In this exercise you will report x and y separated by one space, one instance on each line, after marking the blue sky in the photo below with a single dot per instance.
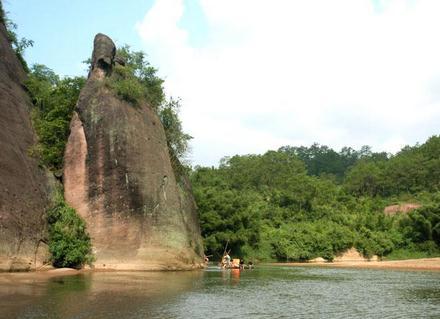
63 30
255 75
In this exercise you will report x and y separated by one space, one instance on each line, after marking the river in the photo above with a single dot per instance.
265 292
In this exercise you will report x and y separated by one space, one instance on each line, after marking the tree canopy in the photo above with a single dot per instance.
299 203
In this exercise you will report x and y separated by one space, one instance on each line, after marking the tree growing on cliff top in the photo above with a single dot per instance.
137 81
141 69
54 101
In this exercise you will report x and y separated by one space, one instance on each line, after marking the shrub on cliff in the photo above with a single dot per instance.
55 100
177 139
69 242
138 81
19 45
141 69
126 85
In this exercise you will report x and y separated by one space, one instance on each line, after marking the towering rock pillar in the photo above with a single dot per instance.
23 185
118 176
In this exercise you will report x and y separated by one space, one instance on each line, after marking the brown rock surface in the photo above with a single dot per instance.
402 208
352 255
23 185
119 178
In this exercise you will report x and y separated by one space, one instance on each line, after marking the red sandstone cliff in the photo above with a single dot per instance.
119 178
23 185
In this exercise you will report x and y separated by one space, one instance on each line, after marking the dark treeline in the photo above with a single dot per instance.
321 159
299 203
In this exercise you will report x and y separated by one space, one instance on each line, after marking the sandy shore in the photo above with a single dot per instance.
43 274
36 276
432 264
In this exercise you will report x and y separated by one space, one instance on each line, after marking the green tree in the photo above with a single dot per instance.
137 80
302 216
69 242
365 178
177 139
55 100
19 45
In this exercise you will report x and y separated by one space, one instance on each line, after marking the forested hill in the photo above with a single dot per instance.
299 203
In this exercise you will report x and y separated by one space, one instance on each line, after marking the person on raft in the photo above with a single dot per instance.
226 262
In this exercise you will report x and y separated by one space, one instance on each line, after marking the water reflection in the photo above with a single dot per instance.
266 292
96 295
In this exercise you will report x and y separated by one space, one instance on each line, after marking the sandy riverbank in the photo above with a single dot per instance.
43 274
432 264
8 278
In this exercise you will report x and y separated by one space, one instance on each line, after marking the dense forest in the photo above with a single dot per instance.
299 203
296 203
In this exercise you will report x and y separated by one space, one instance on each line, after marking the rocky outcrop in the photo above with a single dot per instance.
23 185
402 208
119 178
353 254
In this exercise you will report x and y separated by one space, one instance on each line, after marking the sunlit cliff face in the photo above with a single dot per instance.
119 178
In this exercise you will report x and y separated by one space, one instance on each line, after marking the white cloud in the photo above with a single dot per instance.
295 72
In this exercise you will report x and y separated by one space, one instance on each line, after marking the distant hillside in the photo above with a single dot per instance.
300 203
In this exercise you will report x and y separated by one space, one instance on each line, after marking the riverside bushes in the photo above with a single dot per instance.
69 242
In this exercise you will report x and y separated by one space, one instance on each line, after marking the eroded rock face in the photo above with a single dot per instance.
402 208
23 185
103 53
119 178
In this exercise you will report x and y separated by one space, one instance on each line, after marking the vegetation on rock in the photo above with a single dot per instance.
54 99
177 139
69 242
137 81
18 44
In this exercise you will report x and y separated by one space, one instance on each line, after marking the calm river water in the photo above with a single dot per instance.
265 292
